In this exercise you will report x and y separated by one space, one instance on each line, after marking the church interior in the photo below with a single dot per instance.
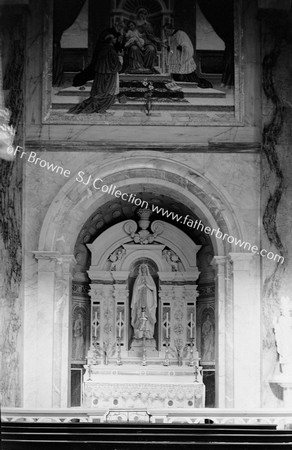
145 232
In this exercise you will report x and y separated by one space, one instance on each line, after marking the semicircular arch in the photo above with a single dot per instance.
75 202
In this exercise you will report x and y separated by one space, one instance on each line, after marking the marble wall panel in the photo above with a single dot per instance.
276 192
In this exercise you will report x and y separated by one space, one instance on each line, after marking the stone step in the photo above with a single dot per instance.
142 77
189 91
163 106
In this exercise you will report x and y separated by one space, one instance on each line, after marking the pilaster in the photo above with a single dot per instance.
246 336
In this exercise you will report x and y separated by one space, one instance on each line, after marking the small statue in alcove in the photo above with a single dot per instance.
78 338
144 296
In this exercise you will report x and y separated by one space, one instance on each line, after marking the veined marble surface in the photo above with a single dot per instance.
224 179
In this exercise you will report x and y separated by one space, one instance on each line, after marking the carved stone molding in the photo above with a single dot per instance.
241 261
48 259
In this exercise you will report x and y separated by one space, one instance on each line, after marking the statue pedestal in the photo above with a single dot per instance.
133 386
136 349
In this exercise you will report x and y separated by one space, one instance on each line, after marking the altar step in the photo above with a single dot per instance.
79 436
190 90
192 105
196 103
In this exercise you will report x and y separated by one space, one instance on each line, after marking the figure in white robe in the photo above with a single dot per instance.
180 51
144 300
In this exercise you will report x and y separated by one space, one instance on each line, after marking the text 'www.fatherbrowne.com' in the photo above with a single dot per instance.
185 220
198 225
89 181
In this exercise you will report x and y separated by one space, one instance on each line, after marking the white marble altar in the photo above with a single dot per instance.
143 319
134 386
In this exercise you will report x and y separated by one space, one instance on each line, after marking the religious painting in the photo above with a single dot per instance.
133 62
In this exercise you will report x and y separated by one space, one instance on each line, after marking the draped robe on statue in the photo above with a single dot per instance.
106 82
144 296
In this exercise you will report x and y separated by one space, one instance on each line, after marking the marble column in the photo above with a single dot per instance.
246 332
51 372
224 358
45 328
62 330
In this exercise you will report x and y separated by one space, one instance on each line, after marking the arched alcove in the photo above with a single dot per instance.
111 258
78 204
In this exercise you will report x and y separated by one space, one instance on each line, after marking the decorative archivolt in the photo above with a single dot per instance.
132 6
116 249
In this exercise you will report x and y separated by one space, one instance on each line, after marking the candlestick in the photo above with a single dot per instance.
166 360
192 362
144 354
95 324
166 325
119 360
191 325
144 319
120 326
196 373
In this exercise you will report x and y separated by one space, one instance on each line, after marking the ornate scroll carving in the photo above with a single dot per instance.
143 236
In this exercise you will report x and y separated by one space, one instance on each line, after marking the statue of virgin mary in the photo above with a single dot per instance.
144 304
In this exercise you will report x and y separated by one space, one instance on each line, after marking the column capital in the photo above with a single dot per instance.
241 261
47 255
46 260
219 264
191 292
219 260
67 262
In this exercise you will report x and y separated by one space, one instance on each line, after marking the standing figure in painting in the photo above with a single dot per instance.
144 299
78 335
117 30
144 57
106 80
181 61
207 340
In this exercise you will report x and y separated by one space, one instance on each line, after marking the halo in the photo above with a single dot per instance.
109 36
142 10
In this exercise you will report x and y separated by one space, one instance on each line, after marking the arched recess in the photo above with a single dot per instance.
171 237
76 202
